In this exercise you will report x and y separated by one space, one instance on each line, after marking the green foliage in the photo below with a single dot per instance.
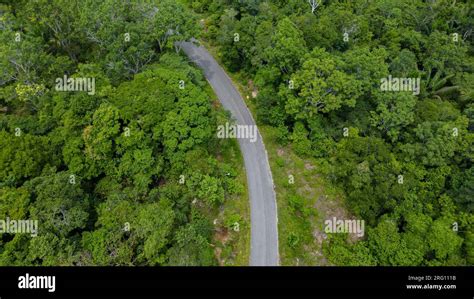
210 190
321 87
191 249
288 46
23 156
301 143
403 159
60 207
99 172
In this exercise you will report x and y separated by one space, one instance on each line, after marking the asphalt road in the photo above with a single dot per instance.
263 210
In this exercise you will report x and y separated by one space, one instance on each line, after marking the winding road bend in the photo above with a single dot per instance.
263 210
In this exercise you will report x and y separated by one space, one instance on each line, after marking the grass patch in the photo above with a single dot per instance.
231 241
232 229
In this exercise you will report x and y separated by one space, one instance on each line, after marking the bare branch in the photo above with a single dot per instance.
314 4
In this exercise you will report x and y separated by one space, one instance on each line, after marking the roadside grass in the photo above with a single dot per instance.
305 199
233 241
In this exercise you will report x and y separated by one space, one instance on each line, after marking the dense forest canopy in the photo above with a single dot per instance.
126 174
404 159
107 134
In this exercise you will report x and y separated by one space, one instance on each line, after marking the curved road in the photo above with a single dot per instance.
263 211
